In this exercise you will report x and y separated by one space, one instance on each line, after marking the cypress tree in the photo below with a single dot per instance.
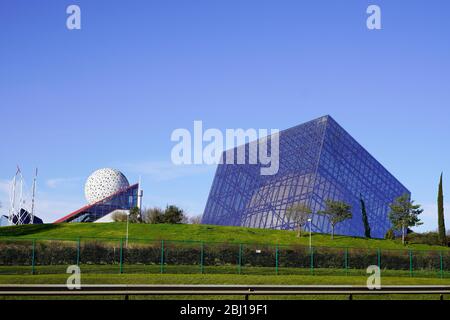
364 218
441 223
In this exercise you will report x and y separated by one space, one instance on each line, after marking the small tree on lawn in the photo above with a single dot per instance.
441 223
153 215
364 217
336 211
196 219
135 216
404 213
174 215
299 214
119 216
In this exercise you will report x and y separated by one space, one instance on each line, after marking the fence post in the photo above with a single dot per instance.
311 267
121 256
346 261
240 258
33 251
441 264
276 259
201 257
410 263
162 256
379 258
78 251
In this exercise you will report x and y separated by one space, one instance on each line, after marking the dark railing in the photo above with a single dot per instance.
217 290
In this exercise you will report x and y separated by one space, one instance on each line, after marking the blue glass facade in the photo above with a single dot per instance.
123 200
318 160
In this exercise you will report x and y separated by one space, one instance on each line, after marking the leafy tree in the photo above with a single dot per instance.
135 215
299 214
336 211
153 215
404 213
174 215
364 218
389 235
196 219
441 223
119 217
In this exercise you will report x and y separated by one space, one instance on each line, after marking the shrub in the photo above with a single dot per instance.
19 253
431 238
390 235
119 217
196 219
172 214
152 216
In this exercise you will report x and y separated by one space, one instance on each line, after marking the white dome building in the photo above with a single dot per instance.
103 183
110 184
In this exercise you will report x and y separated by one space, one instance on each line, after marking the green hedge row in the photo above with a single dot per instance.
66 253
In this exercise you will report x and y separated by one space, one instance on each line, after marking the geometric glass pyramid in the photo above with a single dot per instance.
318 160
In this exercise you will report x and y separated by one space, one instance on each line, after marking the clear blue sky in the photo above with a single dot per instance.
110 94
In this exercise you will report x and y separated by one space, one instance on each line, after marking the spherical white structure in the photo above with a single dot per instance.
104 183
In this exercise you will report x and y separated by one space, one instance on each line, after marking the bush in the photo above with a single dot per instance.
431 238
135 215
390 235
196 219
19 253
172 214
119 217
15 253
152 216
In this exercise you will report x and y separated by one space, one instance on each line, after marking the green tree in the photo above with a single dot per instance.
173 214
441 223
119 216
299 214
195 219
389 235
336 211
364 217
135 215
153 215
404 213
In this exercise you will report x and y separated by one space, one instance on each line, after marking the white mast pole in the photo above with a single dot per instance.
139 199
21 201
12 200
32 198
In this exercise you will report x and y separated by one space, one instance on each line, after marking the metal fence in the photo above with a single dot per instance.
99 255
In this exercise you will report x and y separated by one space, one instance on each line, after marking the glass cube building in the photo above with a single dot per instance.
318 160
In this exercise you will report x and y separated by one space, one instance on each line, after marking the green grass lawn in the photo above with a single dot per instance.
221 274
228 279
187 232
153 269
140 278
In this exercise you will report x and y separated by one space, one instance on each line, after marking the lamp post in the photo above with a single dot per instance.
126 238
310 238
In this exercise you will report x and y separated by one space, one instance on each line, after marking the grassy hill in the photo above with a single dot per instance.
187 232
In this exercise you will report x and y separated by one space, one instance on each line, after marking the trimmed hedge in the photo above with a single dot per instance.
19 253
